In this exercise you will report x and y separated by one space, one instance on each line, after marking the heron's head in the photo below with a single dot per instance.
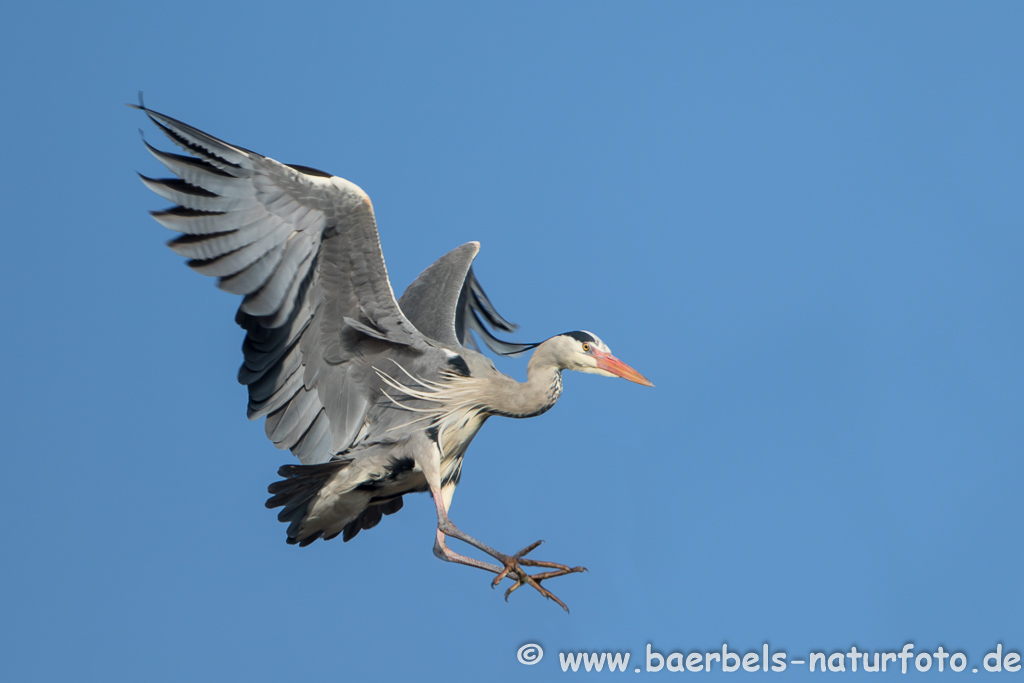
584 352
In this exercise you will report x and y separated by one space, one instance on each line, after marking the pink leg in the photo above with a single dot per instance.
511 563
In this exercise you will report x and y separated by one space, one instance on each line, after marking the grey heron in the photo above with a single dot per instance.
376 397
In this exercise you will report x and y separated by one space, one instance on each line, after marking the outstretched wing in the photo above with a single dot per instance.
446 301
301 247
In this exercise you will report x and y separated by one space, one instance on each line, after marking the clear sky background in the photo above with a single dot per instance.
803 221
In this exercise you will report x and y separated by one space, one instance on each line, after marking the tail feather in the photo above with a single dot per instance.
297 492
367 519
300 485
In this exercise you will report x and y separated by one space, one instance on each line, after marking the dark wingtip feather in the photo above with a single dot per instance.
499 346
485 307
178 185
309 170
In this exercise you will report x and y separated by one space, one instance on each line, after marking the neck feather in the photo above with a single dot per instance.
536 395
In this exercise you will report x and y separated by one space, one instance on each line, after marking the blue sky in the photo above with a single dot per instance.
802 221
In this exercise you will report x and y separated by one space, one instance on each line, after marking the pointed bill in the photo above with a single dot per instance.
610 363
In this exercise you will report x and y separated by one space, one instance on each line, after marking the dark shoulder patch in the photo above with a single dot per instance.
399 466
309 170
432 433
581 336
459 365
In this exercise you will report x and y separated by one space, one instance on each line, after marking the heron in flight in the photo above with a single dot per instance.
377 398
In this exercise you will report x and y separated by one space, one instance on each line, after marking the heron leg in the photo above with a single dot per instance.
445 553
512 564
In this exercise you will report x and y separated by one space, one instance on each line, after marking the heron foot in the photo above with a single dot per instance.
514 571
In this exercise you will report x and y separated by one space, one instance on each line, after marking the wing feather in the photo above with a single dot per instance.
192 197
288 424
446 301
203 174
200 222
301 247
271 296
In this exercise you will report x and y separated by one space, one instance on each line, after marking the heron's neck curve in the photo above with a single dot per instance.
536 395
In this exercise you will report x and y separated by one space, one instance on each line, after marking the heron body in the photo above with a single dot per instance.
376 397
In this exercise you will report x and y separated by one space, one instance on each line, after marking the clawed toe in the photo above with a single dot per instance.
514 570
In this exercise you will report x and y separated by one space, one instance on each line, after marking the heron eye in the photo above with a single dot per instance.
586 347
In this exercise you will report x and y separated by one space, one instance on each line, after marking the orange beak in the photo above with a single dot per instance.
610 363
